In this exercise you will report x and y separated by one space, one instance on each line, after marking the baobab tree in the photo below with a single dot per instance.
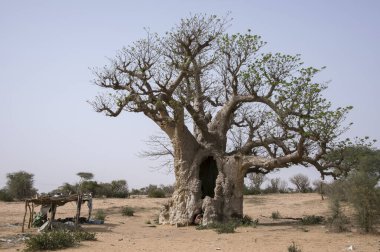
227 109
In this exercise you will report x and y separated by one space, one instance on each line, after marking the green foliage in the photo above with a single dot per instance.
38 220
276 215
57 240
100 215
154 191
294 248
338 220
5 195
127 211
360 187
20 185
312 220
84 236
226 228
220 227
231 225
115 189
85 175
51 241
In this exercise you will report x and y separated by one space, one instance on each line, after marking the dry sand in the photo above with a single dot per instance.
121 233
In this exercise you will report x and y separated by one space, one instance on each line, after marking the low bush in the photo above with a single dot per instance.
84 236
276 215
100 215
231 225
59 239
294 248
312 220
127 211
219 227
338 221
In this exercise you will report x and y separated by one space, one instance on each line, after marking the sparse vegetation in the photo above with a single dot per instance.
219 227
294 248
231 225
100 215
57 240
84 235
276 215
359 188
338 221
312 220
127 211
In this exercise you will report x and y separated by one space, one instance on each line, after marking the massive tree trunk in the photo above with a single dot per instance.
206 183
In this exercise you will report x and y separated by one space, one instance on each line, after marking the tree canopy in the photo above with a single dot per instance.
267 108
20 185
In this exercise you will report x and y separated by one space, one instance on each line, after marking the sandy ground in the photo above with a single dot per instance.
121 233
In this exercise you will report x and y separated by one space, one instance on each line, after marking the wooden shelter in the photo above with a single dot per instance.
53 202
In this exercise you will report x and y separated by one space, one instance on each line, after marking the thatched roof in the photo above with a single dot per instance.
58 200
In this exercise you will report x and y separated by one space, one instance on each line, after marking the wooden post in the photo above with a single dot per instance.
52 215
23 222
79 203
32 212
30 215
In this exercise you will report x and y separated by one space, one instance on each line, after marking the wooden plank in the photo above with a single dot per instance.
23 222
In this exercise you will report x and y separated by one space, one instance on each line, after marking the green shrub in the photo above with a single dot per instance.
246 221
5 195
156 193
225 228
84 236
230 226
100 215
294 248
59 239
127 211
312 220
219 227
276 215
51 241
338 221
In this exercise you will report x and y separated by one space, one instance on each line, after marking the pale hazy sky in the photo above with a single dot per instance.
47 48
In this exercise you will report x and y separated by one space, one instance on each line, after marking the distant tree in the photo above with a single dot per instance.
276 185
90 187
67 189
168 189
5 195
255 182
320 187
153 191
301 182
85 175
119 188
20 185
